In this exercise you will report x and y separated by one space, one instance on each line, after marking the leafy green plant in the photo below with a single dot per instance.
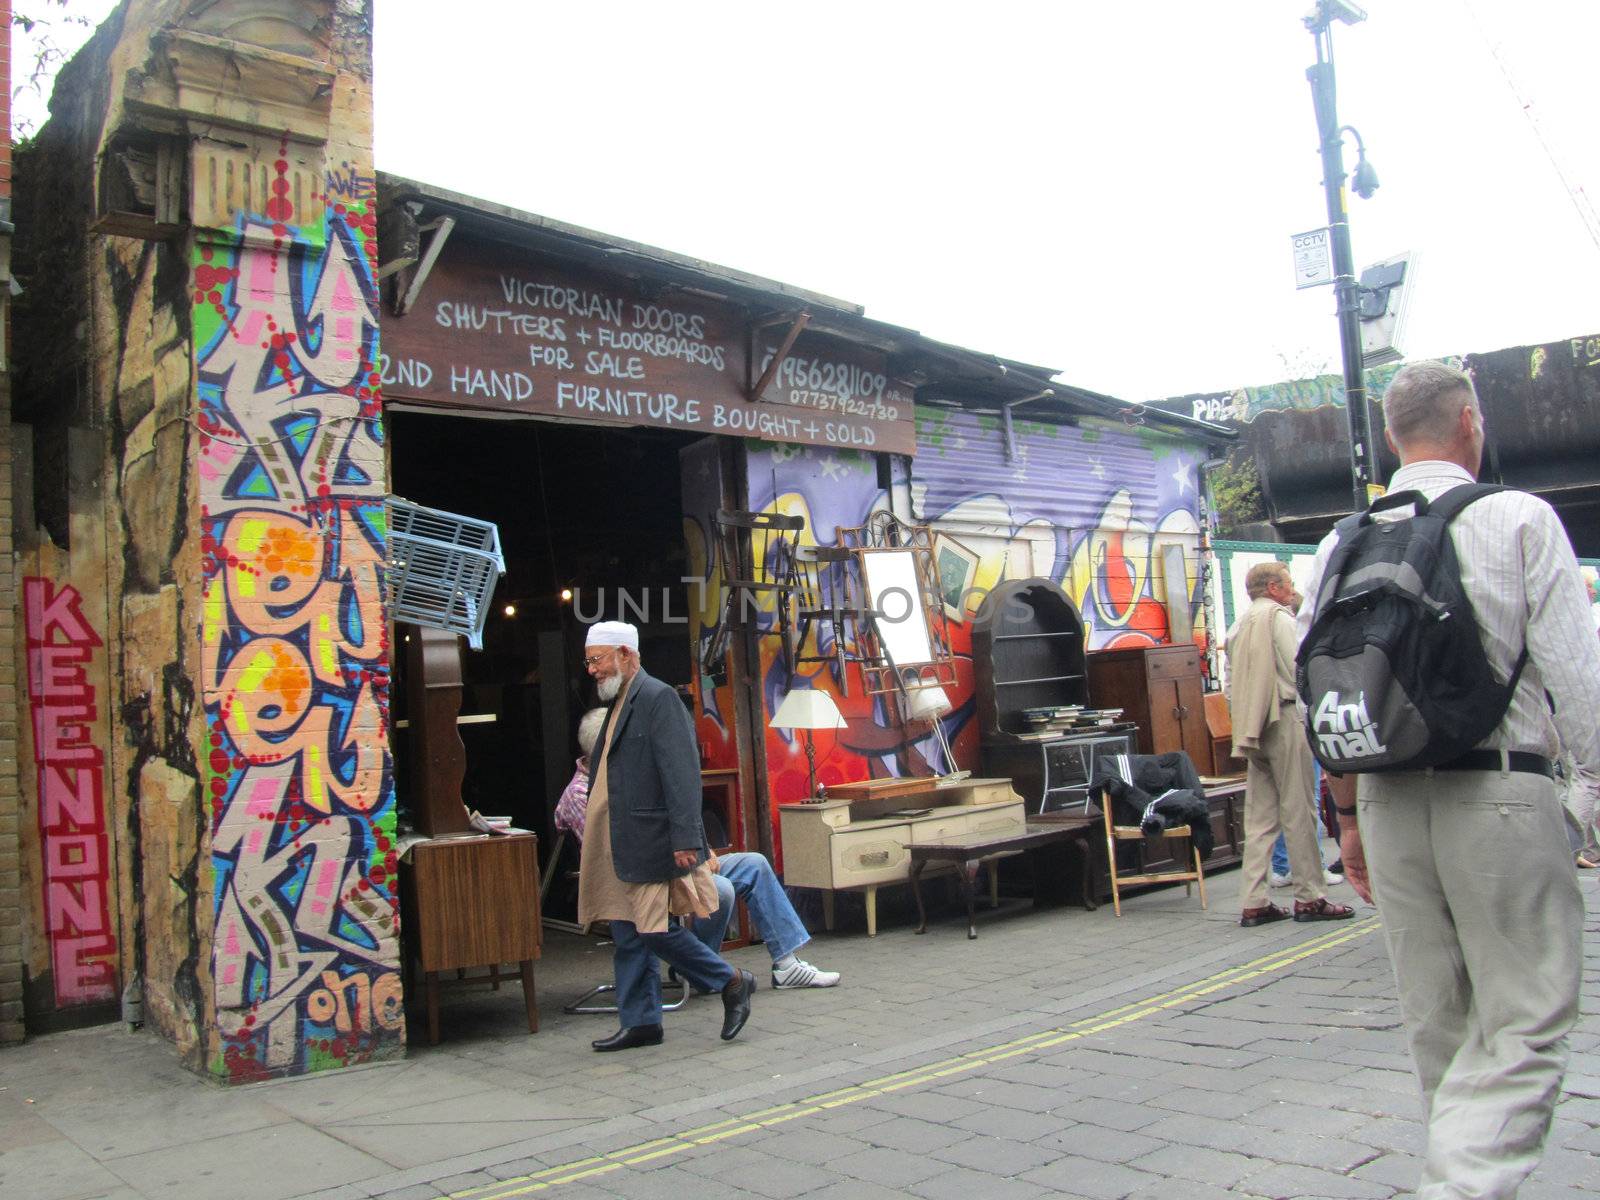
1236 493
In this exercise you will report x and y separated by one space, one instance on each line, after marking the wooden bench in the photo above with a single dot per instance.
967 852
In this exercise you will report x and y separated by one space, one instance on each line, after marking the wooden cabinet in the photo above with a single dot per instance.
1053 775
1159 689
472 901
1027 652
1219 723
846 845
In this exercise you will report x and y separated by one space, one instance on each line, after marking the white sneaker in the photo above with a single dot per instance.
1277 880
1332 877
801 974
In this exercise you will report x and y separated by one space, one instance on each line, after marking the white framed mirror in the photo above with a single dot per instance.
894 591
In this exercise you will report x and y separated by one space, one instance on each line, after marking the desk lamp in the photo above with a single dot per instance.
808 709
929 704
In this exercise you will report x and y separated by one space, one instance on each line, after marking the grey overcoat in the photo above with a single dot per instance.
653 782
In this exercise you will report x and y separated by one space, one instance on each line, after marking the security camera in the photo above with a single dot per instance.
1328 11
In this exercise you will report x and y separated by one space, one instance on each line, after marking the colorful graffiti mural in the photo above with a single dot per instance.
1243 405
829 489
702 498
1113 575
294 643
61 644
1090 506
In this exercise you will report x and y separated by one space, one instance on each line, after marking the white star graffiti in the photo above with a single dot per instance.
1182 477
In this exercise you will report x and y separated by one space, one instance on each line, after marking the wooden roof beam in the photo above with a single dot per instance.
797 322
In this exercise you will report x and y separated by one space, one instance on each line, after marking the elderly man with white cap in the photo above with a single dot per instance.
644 846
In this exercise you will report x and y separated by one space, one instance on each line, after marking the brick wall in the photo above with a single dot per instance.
208 500
5 98
11 909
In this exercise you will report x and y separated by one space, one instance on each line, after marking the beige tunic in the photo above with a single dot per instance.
604 897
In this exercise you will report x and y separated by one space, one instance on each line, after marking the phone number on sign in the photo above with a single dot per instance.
825 402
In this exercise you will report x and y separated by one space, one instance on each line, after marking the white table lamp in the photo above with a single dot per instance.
929 704
808 709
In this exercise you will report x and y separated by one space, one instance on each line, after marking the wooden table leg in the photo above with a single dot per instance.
916 891
529 997
969 879
494 977
872 912
1083 856
827 909
432 978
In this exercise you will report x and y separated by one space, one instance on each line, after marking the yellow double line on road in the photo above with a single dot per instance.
1033 1043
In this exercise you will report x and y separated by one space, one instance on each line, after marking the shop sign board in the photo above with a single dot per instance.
492 332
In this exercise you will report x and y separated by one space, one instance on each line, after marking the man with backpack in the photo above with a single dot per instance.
1447 657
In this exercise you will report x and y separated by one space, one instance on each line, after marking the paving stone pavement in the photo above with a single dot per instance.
1063 1053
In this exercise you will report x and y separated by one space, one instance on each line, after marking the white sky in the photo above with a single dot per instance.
1106 188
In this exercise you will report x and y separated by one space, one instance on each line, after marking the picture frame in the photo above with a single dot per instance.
955 567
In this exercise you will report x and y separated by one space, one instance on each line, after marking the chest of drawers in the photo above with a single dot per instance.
844 845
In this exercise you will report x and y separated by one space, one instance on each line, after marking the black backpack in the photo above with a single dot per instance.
1392 670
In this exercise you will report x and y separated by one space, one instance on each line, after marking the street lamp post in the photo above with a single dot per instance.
1347 287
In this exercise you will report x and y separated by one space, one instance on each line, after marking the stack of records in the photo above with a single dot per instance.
1091 717
1051 718
1065 718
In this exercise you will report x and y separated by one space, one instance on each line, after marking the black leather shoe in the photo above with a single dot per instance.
736 1004
633 1035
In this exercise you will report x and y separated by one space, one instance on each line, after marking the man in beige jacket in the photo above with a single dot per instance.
1268 735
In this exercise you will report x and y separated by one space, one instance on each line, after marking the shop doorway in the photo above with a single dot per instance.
591 526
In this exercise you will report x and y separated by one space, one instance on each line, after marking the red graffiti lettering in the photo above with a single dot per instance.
50 611
61 643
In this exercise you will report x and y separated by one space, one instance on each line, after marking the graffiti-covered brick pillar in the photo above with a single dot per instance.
294 655
231 270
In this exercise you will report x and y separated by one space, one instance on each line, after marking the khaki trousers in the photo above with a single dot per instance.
1474 881
1277 796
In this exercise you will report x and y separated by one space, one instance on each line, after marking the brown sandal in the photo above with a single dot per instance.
1322 910
1261 916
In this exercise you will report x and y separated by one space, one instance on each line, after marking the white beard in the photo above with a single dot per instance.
608 688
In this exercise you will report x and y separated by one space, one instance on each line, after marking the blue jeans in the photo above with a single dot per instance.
750 878
639 973
1280 849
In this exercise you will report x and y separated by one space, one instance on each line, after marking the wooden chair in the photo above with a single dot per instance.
1219 728
1127 833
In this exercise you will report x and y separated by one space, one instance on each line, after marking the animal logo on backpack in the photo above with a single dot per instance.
1393 671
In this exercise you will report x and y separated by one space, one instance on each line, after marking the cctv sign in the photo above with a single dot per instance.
1313 258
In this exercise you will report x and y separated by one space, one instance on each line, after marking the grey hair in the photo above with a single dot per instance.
1259 577
589 729
1424 401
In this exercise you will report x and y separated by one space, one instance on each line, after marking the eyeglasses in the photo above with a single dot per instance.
594 660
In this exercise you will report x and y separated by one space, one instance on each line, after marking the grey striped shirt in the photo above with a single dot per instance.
1519 571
